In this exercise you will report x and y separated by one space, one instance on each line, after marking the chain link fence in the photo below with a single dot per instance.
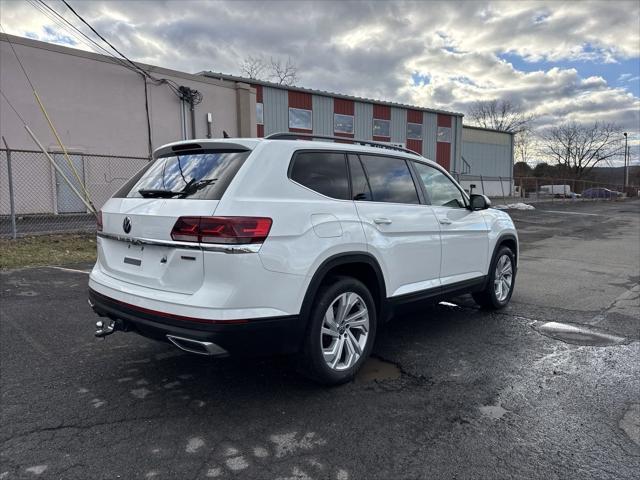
545 189
35 199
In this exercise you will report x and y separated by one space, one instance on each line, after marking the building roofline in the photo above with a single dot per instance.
484 129
76 52
325 93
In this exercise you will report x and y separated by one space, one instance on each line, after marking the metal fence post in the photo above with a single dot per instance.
504 199
12 206
482 185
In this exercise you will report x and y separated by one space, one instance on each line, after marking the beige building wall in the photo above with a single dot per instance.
98 107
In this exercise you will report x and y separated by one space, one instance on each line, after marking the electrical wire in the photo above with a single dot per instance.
12 107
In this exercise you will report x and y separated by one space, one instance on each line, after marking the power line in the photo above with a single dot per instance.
18 58
12 107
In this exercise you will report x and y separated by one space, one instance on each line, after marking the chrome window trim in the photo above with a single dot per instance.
248 248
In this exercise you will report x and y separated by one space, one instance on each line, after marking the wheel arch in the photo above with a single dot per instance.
509 240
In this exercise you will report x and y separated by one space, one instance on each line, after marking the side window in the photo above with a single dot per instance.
390 179
440 189
323 172
359 184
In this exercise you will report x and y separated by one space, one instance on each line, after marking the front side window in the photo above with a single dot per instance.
323 172
414 131
440 189
259 113
342 123
198 175
381 128
300 118
390 179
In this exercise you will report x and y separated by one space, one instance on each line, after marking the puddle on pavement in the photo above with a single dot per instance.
578 334
378 370
495 412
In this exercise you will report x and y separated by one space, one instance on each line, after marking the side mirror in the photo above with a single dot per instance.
479 202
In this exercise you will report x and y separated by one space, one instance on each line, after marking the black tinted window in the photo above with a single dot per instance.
201 174
359 184
390 179
323 172
440 189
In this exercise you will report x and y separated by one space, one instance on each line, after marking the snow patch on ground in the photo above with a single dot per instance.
515 206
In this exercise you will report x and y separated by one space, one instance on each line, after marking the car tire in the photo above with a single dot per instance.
350 341
500 281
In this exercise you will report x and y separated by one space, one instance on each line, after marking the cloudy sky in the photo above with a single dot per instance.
558 60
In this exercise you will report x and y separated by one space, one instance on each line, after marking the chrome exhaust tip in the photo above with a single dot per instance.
105 328
198 347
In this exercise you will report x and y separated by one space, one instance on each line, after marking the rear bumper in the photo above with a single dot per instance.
254 336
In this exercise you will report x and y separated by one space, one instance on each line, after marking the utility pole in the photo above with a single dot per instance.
626 161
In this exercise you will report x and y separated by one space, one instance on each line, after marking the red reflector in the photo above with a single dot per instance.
99 221
228 230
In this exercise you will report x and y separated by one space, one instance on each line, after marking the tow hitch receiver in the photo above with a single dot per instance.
105 328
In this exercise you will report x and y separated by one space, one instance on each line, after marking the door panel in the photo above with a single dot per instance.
67 200
465 243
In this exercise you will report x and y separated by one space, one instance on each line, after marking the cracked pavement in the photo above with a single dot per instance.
452 391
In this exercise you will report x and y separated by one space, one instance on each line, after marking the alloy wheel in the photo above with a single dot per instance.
503 278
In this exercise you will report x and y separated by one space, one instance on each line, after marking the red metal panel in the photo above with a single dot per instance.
415 145
444 120
258 93
343 107
378 138
383 112
443 153
299 100
414 116
260 130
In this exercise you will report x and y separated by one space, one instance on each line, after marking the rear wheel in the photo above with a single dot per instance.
341 332
501 281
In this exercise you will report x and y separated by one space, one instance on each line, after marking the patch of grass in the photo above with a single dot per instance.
63 249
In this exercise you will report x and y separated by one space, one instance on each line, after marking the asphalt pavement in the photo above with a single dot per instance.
548 388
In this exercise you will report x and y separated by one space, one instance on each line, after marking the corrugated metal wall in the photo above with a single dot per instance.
488 153
276 110
429 135
363 121
322 115
457 160
398 125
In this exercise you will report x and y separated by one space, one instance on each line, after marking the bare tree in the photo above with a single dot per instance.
500 115
253 67
283 74
578 148
525 145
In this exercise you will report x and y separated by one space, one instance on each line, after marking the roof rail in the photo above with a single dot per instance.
355 141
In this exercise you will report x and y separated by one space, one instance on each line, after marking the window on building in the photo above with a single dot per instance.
414 131
300 118
381 128
323 172
342 123
360 189
259 114
441 191
390 179
444 134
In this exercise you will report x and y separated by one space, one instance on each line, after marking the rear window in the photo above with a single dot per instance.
323 172
198 175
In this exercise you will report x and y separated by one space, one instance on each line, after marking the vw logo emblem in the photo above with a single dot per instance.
126 224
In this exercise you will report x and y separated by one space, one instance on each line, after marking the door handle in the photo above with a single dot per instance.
445 221
382 221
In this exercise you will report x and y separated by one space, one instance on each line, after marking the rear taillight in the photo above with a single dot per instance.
99 221
228 230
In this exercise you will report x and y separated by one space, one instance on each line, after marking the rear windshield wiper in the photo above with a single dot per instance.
190 188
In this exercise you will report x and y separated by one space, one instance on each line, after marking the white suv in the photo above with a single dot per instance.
287 245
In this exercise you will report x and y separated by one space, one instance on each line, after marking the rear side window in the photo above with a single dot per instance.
323 172
200 175
390 179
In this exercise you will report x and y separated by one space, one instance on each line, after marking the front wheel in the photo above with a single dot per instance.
502 275
341 332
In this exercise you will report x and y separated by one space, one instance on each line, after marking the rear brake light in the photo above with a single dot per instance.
227 230
99 221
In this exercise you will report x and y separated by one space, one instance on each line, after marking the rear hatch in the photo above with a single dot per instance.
135 243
